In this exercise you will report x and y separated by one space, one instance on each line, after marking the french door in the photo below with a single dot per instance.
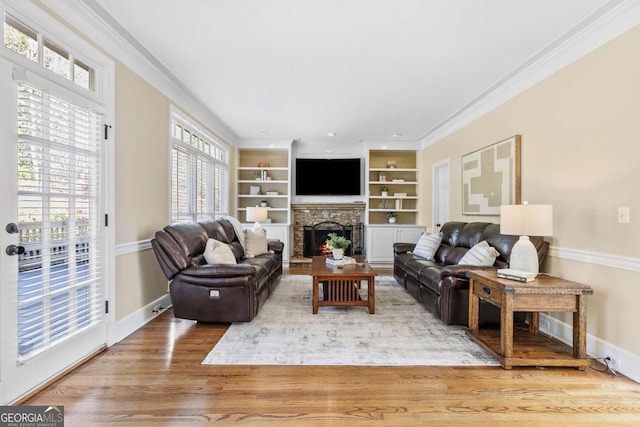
52 237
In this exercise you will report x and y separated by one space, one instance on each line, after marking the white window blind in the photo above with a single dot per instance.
61 274
199 174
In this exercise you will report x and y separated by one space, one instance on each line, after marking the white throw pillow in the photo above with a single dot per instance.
255 243
481 254
217 252
427 246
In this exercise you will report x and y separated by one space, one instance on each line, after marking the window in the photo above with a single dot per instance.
199 173
61 272
28 43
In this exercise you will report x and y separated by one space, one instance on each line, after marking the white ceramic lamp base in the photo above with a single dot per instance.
524 256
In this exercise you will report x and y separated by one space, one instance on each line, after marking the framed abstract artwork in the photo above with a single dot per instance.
491 177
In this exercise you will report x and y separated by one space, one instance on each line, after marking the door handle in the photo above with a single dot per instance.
15 250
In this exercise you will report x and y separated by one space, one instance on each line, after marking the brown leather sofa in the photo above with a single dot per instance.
442 286
215 292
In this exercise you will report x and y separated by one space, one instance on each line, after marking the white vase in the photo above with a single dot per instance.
392 220
338 253
384 194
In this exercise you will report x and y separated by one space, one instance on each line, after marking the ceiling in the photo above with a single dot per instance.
362 69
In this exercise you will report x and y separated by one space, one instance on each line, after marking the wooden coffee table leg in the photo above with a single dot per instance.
315 295
371 294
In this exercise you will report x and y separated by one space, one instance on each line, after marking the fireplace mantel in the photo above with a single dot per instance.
323 206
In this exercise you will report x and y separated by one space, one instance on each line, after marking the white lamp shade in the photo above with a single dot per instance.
526 220
257 214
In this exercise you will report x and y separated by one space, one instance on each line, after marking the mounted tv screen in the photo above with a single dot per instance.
328 177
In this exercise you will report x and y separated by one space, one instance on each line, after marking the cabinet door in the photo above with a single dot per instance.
380 244
279 233
410 235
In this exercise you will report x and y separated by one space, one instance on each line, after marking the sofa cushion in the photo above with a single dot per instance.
481 254
471 234
255 243
427 245
451 232
217 252
449 255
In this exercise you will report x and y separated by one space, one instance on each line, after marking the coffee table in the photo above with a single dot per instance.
341 284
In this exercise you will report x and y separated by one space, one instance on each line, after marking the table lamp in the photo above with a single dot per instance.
526 220
255 215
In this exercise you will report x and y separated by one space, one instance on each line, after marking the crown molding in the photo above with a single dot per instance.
88 17
608 22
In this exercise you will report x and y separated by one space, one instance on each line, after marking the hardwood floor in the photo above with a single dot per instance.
154 377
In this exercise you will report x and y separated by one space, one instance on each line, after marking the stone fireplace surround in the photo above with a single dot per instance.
313 213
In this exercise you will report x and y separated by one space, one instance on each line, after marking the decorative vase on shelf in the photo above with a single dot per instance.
338 253
392 220
384 194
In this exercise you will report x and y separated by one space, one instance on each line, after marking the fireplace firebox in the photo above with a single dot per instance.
316 235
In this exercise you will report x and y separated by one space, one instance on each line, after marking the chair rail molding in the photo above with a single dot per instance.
588 257
132 247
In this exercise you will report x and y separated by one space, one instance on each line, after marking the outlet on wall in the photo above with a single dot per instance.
624 215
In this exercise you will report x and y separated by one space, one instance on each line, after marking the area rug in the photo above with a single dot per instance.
400 333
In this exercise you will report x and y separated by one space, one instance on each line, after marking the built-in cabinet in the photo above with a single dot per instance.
263 179
380 240
392 186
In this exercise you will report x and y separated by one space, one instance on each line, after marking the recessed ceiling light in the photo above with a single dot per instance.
331 134
264 133
395 135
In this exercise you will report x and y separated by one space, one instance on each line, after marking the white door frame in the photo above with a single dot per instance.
440 197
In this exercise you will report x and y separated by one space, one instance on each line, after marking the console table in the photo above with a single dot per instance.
522 346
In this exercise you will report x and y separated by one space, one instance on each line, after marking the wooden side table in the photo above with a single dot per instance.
546 294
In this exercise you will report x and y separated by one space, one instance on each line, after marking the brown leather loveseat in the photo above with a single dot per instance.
442 285
215 292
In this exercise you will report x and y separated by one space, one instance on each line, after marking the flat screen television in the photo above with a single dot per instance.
328 177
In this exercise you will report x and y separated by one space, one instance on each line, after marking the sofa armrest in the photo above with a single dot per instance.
219 271
461 271
403 248
275 245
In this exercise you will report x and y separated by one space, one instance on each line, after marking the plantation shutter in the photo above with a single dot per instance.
61 273
199 174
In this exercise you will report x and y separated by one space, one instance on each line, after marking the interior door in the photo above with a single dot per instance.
52 282
441 194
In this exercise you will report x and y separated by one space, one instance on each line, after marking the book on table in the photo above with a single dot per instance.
343 261
519 275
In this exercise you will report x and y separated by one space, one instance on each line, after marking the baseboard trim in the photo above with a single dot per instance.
622 361
136 320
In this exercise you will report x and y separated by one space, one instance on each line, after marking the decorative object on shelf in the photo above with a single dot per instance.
271 193
257 175
391 217
397 180
384 191
399 194
255 215
254 190
263 203
382 177
391 164
338 244
482 194
526 220
264 165
398 204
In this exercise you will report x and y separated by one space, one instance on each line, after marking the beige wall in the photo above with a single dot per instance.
580 150
141 191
